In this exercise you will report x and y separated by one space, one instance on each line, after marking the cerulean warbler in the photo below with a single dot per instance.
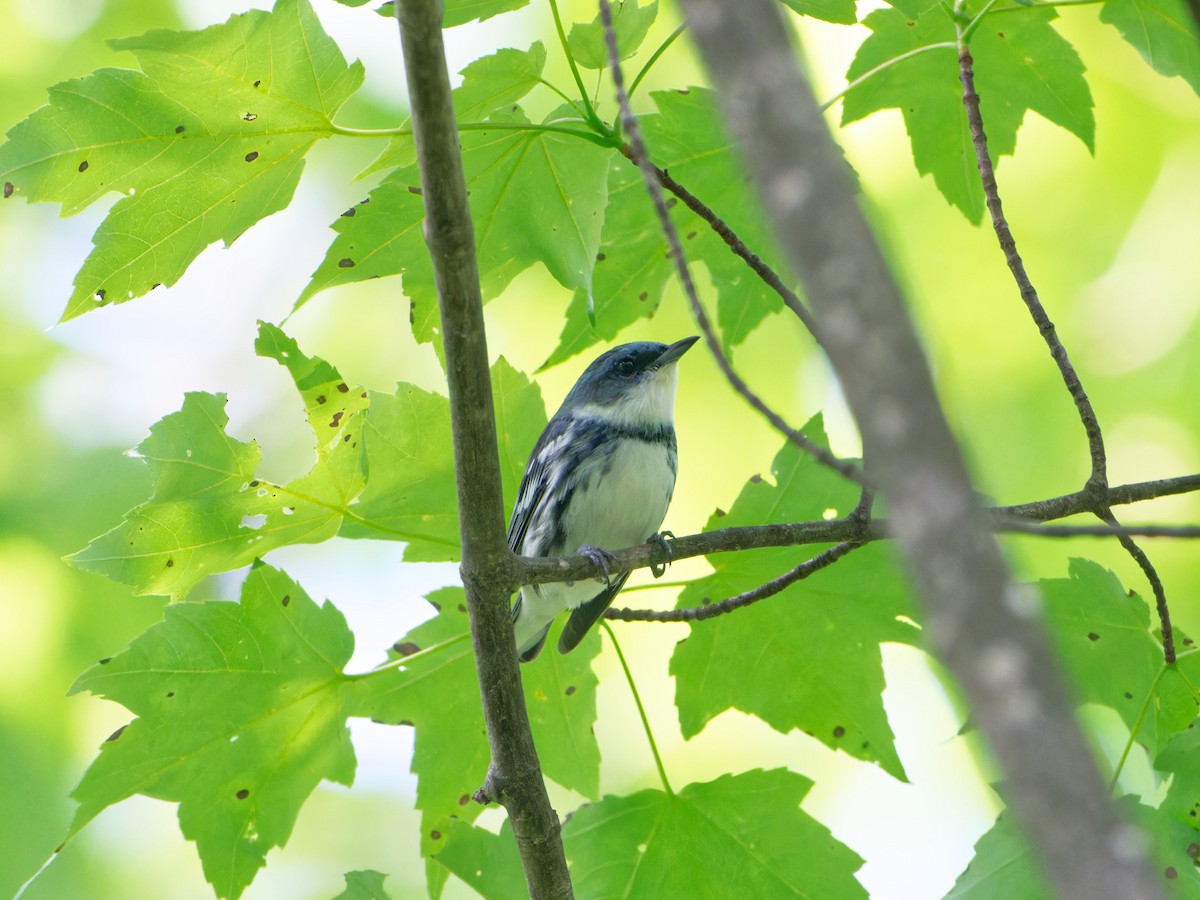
599 478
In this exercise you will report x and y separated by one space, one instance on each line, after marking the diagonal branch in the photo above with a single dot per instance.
514 778
1098 481
996 653
637 153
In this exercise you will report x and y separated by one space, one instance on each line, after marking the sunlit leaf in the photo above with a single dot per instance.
631 23
209 512
841 12
1163 31
206 140
241 711
364 885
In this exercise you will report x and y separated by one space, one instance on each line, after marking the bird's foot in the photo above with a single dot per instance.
662 539
600 558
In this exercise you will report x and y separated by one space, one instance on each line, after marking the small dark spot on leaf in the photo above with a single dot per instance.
755 479
839 731
344 388
1170 874
337 417
364 201
671 202
179 129
1128 696
643 295
106 661
691 235
911 24
464 799
345 263
349 213
1193 850
170 694
83 166
100 295
413 189
287 598
683 91
435 835
1187 642
720 513
257 83
242 794
320 398
252 156
999 34
1092 636
8 189
346 439
570 689
249 117
363 395
254 483
170 563
407 648
600 257
462 607
116 734
407 722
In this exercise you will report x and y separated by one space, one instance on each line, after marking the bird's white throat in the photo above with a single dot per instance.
650 404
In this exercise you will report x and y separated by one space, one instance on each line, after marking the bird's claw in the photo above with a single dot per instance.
662 539
600 559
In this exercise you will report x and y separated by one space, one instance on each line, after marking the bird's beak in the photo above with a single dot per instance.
673 352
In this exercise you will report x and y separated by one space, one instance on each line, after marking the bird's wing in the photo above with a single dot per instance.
585 616
536 482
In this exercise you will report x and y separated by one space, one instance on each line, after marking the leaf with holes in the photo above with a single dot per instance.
241 711
206 140
411 495
1103 636
746 830
817 665
208 512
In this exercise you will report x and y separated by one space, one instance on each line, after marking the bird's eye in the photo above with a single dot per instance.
626 367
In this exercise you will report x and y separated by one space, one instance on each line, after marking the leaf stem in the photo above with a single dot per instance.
662 772
883 66
662 48
590 114
1137 726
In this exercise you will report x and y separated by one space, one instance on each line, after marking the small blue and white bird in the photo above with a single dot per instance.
599 479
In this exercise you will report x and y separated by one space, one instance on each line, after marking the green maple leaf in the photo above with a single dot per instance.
206 140
631 23
536 196
366 884
745 830
1162 31
686 137
1181 760
1021 64
440 696
209 512
488 862
241 711
411 494
456 12
815 646
1104 638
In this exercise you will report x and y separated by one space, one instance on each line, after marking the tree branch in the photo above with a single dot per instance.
514 778
997 654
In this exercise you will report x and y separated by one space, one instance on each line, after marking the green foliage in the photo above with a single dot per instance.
1021 64
241 708
740 829
206 140
818 665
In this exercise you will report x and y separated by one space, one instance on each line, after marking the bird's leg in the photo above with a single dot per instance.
662 539
600 559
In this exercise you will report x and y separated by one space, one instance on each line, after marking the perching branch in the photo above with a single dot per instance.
1098 481
999 656
514 778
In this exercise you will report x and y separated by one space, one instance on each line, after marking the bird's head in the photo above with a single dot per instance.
631 385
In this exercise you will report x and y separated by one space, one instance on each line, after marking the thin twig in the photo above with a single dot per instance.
1098 481
1111 530
637 154
712 610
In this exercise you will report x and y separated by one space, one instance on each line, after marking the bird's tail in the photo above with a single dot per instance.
531 634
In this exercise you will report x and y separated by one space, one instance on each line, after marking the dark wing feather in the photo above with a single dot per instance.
532 490
585 616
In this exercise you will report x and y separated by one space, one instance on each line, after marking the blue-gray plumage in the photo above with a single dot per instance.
599 479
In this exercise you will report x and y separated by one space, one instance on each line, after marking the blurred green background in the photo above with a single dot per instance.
1109 240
